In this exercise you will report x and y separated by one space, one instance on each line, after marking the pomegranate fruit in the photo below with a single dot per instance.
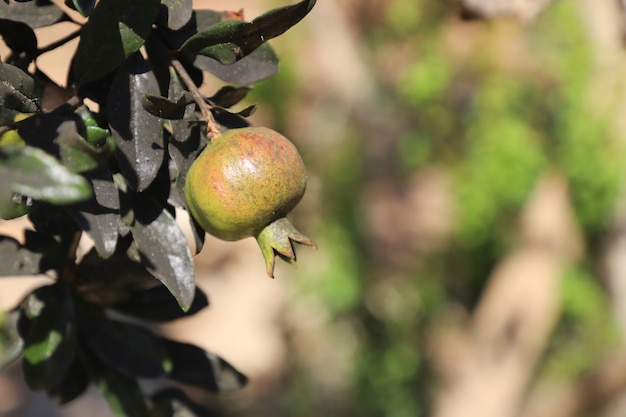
243 184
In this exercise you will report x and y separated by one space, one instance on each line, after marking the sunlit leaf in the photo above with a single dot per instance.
138 134
164 249
31 172
230 40
17 93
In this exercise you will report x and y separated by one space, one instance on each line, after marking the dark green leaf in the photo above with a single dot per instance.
18 36
162 107
17 93
137 134
84 7
175 13
11 344
231 40
132 350
31 172
229 95
73 384
197 367
99 216
172 402
34 13
121 392
164 249
64 134
200 19
50 342
157 304
115 31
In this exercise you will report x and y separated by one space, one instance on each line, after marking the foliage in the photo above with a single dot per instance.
115 172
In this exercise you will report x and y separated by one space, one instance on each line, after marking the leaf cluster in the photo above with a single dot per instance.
115 172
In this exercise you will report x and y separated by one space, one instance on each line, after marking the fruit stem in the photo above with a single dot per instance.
211 129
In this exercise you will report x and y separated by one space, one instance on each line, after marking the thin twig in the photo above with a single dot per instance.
212 130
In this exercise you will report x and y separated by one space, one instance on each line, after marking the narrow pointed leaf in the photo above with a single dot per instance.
167 109
229 95
137 134
231 40
115 31
164 250
247 112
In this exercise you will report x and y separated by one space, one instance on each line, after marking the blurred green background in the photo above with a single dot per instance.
425 136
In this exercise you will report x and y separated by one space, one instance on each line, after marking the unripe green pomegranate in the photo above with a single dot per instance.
243 184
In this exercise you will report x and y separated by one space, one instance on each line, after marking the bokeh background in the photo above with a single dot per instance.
467 193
